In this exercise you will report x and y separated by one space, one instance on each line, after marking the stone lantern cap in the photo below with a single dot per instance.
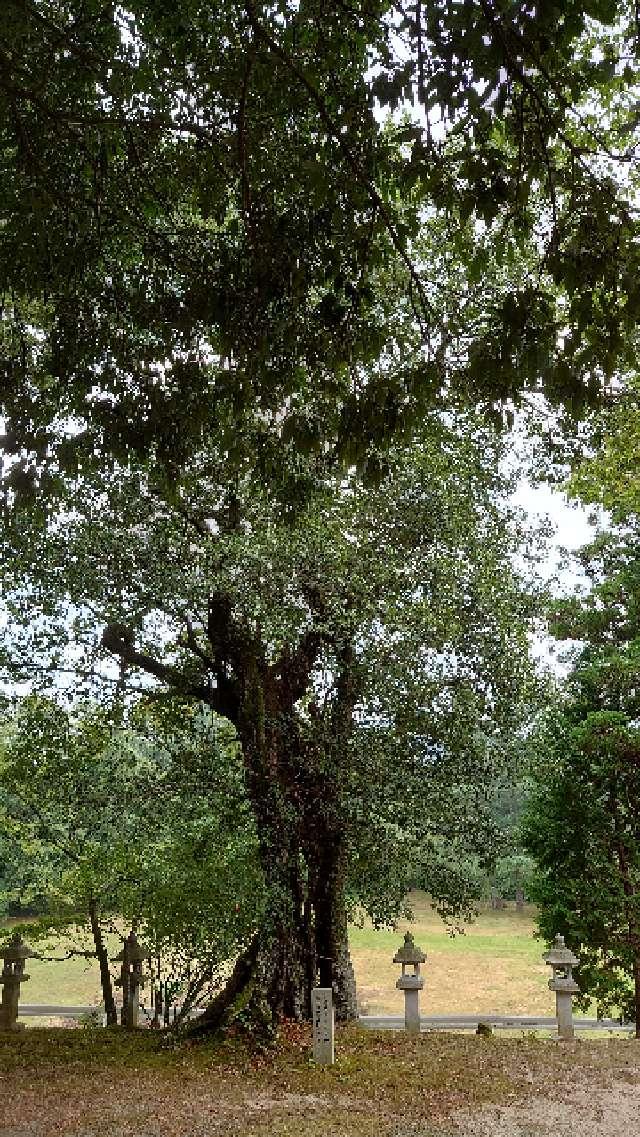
560 955
15 950
132 951
409 953
562 960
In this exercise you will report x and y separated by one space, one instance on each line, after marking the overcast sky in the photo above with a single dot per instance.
574 526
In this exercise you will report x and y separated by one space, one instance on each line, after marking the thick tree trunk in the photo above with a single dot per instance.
273 978
335 969
269 982
102 956
290 786
303 939
636 984
302 856
281 976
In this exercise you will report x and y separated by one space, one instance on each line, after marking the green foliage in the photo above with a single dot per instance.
413 578
582 823
146 822
512 874
610 478
582 826
203 213
606 619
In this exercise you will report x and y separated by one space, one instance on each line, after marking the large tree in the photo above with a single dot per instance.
221 255
369 647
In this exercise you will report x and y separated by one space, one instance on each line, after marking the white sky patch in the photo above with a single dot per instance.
575 525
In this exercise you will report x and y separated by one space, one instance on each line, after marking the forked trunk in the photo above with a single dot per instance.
273 978
302 942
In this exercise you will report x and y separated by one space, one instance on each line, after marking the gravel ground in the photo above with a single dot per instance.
610 1112
613 1111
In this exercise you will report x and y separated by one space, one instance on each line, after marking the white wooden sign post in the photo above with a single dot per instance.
323 1025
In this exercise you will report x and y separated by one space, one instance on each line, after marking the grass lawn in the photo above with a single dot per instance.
495 966
104 1083
68 981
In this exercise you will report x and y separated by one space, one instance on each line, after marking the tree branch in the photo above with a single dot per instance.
194 646
294 666
116 640
224 699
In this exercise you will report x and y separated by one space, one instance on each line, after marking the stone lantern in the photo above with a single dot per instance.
411 983
131 979
14 954
562 960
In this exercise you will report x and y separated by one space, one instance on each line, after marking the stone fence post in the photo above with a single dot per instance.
14 954
412 984
562 960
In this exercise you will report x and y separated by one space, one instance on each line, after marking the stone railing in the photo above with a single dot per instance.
471 1022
